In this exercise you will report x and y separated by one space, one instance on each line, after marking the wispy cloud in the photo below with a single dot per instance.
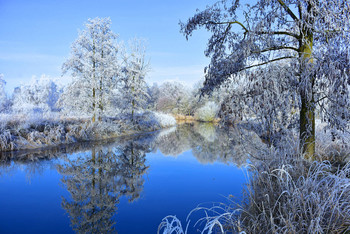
28 57
188 75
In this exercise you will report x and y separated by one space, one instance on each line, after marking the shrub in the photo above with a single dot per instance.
207 112
164 120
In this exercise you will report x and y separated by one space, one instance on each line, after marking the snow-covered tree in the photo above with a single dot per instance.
311 36
133 84
3 97
94 65
264 97
173 98
40 95
153 93
72 99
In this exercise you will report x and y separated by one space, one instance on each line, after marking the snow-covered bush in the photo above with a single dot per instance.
164 120
331 144
207 112
147 121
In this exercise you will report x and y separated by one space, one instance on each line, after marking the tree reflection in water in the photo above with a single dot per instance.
97 175
97 179
210 143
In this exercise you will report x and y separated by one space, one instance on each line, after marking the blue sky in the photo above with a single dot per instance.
36 35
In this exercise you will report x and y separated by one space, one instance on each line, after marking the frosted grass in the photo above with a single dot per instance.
29 132
284 196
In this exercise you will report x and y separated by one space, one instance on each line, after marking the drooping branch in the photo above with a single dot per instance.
229 23
267 62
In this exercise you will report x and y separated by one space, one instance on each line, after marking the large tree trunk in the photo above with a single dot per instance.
100 105
307 111
307 126
93 105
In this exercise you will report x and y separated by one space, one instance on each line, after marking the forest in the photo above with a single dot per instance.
278 86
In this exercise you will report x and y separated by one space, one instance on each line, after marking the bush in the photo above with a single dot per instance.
164 120
207 112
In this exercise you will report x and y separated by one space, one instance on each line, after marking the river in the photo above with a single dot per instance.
124 185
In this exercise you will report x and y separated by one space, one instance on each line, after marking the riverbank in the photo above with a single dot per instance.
284 191
190 119
20 133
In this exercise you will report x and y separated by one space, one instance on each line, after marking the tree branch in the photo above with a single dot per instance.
229 23
258 33
276 48
288 10
279 33
270 61
320 99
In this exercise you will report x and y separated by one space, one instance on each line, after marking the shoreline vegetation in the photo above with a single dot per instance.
21 133
190 118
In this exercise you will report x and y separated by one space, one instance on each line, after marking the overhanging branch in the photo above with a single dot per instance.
264 63
279 33
253 32
276 48
229 23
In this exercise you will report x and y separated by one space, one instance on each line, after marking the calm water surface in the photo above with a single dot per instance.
124 186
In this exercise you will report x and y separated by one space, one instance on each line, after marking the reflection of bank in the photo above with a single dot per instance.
96 180
209 143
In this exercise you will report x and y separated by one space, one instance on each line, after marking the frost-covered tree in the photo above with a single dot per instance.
258 94
311 36
73 97
3 97
133 84
94 65
153 93
173 98
40 95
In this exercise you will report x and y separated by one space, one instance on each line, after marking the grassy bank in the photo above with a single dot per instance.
19 132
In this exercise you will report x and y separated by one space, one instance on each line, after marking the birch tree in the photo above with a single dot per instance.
94 64
311 36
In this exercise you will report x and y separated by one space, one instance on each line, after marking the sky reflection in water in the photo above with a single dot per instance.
124 186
